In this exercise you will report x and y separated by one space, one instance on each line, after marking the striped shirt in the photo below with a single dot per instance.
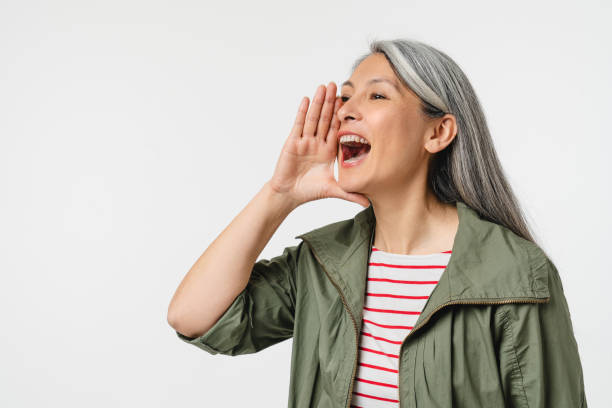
397 289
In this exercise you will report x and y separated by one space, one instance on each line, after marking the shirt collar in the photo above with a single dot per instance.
488 263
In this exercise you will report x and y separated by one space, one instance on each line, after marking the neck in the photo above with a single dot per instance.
414 225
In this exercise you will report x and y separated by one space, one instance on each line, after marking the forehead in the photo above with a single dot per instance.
374 65
374 69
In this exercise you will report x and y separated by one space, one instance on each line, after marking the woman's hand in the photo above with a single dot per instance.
305 168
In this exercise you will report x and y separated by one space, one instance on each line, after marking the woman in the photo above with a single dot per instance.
435 295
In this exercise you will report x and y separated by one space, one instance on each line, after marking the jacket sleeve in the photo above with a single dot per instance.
538 355
261 315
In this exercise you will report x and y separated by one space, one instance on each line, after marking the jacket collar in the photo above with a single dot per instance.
488 263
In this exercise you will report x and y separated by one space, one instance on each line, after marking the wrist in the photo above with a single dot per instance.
281 201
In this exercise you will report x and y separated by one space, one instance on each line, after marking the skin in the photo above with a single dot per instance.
409 218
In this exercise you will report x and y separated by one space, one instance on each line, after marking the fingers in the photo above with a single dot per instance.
315 120
335 123
312 118
327 111
298 125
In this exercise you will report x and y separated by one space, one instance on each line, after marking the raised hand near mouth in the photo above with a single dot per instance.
304 172
305 168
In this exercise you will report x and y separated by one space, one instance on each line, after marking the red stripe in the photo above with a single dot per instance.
443 252
391 311
378 352
396 296
381 338
403 281
374 397
378 367
387 326
376 383
407 266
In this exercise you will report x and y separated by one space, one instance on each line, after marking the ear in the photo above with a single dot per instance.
442 132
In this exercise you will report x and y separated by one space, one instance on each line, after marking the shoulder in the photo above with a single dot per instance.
491 258
344 231
498 239
332 244
537 262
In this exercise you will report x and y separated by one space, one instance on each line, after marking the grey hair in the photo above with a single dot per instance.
468 169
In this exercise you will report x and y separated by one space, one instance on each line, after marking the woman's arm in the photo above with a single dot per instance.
223 270
304 172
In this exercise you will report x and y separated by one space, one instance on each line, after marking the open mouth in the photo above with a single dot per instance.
353 152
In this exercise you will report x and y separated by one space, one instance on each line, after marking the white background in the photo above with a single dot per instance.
133 132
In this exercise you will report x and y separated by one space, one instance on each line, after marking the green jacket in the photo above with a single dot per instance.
495 332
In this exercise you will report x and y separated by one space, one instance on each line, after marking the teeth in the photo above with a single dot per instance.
353 138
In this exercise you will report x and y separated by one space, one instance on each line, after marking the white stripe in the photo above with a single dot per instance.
395 319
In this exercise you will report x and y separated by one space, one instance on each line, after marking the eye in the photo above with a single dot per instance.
345 98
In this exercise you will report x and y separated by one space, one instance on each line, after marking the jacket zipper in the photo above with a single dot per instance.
348 397
449 303
458 302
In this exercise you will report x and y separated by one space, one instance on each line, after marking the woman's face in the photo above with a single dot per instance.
387 114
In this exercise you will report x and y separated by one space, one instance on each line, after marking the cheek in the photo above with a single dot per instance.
398 139
398 157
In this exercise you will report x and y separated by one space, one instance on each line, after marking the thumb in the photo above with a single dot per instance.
358 198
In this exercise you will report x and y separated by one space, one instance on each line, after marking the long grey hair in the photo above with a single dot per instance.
468 169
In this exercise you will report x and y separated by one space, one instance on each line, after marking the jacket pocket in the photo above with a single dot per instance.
510 370
333 347
540 353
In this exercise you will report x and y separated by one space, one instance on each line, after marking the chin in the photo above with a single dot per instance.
351 184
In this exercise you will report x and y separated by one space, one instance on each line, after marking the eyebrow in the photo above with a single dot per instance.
374 80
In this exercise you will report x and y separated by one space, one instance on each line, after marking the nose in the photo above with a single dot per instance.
347 110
